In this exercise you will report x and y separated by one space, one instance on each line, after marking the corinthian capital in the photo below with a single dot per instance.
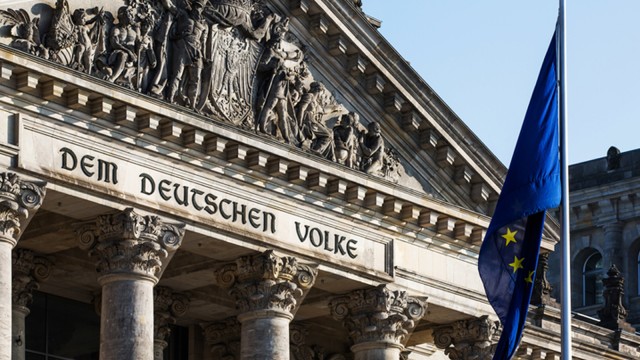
378 314
29 270
129 243
223 337
167 306
467 339
19 199
267 282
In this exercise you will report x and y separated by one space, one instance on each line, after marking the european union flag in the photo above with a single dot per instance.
509 253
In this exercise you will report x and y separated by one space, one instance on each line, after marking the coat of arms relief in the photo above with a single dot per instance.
230 60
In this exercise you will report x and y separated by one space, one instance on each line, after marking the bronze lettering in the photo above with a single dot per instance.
224 214
351 248
254 218
212 206
185 194
242 212
163 191
86 163
147 179
68 154
194 202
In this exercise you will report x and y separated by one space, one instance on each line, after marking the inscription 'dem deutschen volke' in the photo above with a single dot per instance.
206 201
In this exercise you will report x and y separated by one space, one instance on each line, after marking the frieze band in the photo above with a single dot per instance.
230 60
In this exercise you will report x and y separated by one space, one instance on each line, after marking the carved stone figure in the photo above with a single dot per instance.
85 49
25 31
242 14
61 37
345 140
276 115
372 147
161 76
119 65
147 59
229 60
613 158
188 35
228 78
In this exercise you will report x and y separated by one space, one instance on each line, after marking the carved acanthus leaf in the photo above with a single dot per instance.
127 242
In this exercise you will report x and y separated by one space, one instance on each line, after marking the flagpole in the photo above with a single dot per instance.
564 165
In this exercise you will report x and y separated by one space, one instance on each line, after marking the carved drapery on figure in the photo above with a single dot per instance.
18 200
378 314
468 339
127 242
267 282
230 60
613 314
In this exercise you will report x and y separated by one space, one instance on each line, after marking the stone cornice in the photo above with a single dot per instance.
132 113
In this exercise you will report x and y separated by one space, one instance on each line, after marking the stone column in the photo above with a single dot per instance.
223 337
29 271
612 245
378 320
130 249
268 290
167 306
19 200
471 339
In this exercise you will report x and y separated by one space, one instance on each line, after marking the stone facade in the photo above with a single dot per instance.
604 234
243 179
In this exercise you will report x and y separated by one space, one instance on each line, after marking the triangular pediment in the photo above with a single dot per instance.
329 81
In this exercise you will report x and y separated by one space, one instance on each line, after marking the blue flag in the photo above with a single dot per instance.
509 253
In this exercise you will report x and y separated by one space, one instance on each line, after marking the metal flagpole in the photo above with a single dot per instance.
564 165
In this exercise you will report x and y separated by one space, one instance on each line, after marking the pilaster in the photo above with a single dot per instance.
130 249
468 339
19 200
378 320
268 290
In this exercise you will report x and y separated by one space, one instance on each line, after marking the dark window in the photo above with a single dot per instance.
59 328
592 280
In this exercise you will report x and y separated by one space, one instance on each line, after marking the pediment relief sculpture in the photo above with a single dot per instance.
230 60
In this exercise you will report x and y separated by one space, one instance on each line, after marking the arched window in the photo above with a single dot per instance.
592 280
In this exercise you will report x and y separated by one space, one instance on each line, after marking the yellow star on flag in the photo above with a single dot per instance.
529 279
510 236
516 264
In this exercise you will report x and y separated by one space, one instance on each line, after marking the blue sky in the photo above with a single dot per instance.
483 57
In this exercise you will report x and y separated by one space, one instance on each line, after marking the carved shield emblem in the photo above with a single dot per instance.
228 77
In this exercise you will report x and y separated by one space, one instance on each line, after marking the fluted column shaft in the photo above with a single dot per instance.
265 335
19 200
126 317
377 351
267 289
130 249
